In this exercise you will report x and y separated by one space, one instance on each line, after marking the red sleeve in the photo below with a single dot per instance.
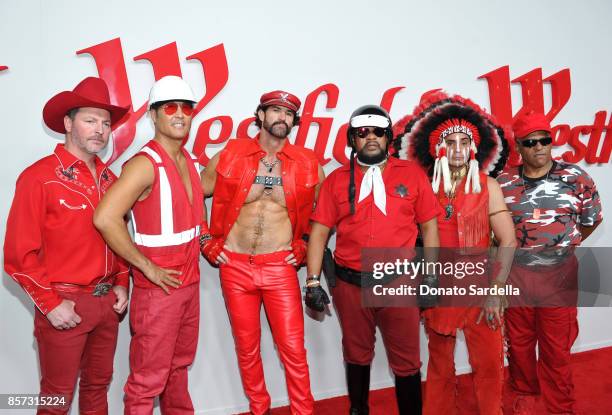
427 206
326 212
123 276
23 243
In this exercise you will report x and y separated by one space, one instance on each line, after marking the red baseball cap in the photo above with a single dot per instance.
90 92
529 122
280 98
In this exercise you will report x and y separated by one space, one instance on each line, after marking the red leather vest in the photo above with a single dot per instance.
166 225
236 171
469 225
467 228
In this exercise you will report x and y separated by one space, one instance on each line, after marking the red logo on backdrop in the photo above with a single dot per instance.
2 68
532 87
165 61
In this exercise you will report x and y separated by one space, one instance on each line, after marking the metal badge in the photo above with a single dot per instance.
102 289
401 190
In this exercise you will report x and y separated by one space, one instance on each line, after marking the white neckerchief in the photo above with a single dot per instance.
373 181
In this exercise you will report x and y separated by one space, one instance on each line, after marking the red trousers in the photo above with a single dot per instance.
247 282
546 286
554 330
399 327
164 341
545 316
88 348
486 355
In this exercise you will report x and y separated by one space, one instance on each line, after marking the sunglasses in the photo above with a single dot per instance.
532 142
363 132
171 108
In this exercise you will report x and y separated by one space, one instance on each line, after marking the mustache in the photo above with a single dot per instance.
278 123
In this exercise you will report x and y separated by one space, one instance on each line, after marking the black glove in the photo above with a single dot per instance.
429 300
315 298
329 267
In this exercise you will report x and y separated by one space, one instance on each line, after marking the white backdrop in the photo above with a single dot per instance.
363 47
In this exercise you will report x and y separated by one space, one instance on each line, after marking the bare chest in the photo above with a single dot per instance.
183 171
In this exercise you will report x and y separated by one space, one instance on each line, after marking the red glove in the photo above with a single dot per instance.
211 249
299 250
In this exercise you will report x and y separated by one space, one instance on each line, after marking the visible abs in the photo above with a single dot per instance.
263 226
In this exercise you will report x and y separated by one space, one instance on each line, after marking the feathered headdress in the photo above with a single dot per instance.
439 115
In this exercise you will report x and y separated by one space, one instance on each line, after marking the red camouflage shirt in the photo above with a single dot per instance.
564 199
50 237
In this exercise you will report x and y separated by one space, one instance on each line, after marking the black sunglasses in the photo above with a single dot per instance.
532 142
363 132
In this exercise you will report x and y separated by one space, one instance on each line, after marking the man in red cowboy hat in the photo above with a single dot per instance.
394 200
54 252
263 194
460 144
161 187
555 206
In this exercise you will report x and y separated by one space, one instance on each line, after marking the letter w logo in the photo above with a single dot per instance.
532 95
165 61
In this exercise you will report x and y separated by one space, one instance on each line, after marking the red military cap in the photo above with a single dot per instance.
529 122
281 98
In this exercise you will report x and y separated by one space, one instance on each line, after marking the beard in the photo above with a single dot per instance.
371 159
92 145
279 129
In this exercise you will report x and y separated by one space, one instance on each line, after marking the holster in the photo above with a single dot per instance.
329 267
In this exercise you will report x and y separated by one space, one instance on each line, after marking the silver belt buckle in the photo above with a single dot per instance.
102 289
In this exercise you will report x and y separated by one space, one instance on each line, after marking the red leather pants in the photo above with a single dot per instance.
247 282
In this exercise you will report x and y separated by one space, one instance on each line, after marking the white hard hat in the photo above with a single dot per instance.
171 88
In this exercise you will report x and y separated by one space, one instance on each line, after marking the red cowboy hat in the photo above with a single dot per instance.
90 92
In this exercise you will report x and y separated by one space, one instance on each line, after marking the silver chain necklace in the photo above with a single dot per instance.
271 165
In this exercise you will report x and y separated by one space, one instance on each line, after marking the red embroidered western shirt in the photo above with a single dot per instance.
50 236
